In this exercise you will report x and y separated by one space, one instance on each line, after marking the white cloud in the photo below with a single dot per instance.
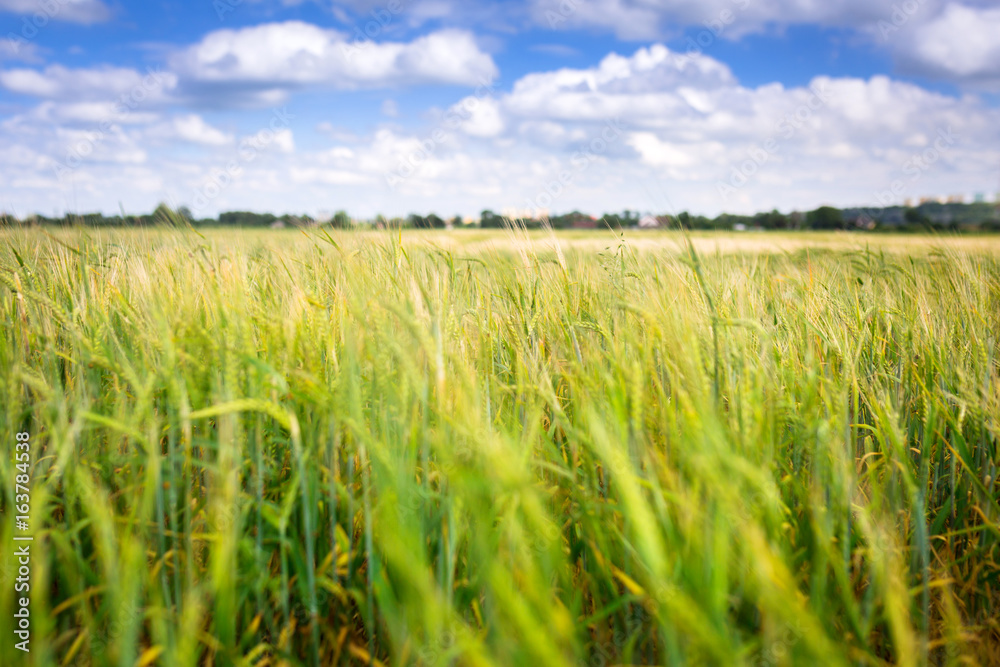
961 44
651 130
479 117
90 113
281 140
40 13
295 54
14 47
659 131
653 19
260 66
56 82
651 84
952 41
660 153
191 128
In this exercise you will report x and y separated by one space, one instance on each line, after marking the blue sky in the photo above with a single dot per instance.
398 106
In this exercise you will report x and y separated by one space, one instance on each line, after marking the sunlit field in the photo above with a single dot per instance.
500 448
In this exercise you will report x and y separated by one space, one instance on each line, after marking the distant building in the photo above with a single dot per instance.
908 202
739 227
956 199
979 198
649 222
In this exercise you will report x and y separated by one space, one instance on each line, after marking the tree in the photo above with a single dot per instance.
246 219
163 213
772 220
825 217
490 219
915 217
340 220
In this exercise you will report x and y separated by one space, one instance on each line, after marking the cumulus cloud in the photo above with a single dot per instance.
943 39
295 54
260 66
653 129
690 119
960 44
478 117
657 122
653 84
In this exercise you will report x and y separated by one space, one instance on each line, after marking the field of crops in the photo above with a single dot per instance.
287 448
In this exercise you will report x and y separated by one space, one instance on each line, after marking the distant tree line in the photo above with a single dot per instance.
979 216
929 216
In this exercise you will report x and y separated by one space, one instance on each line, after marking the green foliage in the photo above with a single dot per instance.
915 217
489 219
334 448
825 217
341 220
246 219
431 221
688 221
772 220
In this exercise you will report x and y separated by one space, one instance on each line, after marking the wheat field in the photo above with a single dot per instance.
312 448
